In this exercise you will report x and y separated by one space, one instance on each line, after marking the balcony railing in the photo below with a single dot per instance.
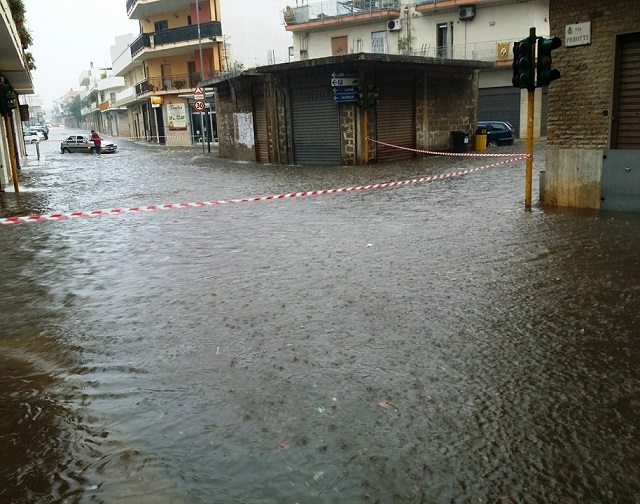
494 51
168 83
174 35
336 9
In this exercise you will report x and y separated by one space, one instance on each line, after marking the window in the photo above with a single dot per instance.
445 40
161 25
379 42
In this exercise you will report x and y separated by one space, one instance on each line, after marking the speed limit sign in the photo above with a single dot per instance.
199 105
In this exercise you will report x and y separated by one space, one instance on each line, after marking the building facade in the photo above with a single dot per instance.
482 30
310 112
180 44
100 110
15 74
593 147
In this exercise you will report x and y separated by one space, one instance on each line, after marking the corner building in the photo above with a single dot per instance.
180 44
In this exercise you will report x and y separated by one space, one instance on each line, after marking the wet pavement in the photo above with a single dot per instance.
430 343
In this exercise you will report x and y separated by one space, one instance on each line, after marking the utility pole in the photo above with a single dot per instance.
201 71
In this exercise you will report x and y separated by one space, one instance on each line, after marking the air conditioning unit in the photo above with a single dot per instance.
467 12
394 25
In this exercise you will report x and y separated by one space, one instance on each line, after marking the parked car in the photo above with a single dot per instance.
498 132
31 136
82 143
42 129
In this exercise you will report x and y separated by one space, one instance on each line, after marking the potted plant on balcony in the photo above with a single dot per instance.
179 84
17 11
288 14
25 37
30 61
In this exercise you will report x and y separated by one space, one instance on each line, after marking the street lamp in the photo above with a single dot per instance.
201 69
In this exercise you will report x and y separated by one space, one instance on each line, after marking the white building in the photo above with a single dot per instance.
483 30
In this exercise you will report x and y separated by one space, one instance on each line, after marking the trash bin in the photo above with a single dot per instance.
460 141
481 139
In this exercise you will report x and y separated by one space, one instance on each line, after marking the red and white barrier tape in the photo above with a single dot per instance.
173 206
443 153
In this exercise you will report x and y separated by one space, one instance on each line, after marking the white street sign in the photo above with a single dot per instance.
577 34
345 81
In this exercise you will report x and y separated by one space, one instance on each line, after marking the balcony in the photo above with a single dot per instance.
169 84
334 12
494 51
138 9
174 41
126 96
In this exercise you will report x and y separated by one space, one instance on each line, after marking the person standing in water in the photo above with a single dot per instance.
97 141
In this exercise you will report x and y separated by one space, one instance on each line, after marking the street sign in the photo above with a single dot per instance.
346 81
343 75
347 97
344 89
198 93
199 105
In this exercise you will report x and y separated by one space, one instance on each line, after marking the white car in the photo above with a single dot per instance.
32 136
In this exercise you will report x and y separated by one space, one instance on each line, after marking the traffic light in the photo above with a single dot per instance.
8 100
523 67
360 97
545 73
372 95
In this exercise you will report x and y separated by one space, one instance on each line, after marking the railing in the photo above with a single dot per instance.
174 35
140 43
337 9
130 4
481 51
178 82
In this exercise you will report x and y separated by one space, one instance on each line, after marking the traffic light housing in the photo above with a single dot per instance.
545 73
8 99
361 97
372 95
523 65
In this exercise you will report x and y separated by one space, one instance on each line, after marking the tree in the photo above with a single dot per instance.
75 109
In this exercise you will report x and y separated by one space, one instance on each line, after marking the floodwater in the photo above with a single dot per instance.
429 343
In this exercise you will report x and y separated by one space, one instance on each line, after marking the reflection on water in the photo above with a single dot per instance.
429 343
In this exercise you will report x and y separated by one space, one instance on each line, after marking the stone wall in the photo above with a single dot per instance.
580 101
232 99
446 101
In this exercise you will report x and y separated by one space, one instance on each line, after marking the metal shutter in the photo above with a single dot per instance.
316 127
395 117
500 104
260 124
627 115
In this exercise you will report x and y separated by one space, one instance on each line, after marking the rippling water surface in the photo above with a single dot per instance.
431 343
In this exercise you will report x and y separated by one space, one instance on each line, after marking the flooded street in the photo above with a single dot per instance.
429 343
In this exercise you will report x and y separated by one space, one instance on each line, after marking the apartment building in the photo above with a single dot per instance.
180 43
100 110
482 30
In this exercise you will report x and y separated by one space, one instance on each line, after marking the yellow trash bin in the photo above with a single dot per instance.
481 139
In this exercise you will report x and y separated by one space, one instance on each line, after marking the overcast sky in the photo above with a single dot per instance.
69 35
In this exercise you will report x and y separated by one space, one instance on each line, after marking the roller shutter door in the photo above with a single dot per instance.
260 124
316 127
500 104
627 115
395 116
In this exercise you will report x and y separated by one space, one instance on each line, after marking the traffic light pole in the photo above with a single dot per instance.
529 162
531 92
